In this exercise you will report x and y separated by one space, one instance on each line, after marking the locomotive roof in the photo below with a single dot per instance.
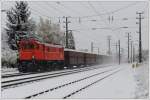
83 52
52 45
40 42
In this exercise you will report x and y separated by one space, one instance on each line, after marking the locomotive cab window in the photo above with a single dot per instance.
27 46
48 49
51 49
36 46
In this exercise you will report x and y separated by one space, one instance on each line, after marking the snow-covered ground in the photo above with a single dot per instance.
120 85
141 77
6 70
14 70
29 89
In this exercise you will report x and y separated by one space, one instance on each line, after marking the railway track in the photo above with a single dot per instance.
7 71
15 74
76 81
16 82
19 74
73 93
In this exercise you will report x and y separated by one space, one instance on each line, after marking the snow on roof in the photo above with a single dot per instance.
52 45
83 51
39 42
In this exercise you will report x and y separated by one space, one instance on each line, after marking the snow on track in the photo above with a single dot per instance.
117 86
39 74
17 81
6 73
8 70
72 88
29 89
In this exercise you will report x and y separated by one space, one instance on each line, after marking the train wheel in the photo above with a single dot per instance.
54 66
22 69
32 67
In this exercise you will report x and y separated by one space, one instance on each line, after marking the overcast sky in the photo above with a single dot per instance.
93 15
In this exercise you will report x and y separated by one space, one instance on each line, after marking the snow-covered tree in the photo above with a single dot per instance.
18 23
71 42
8 56
51 33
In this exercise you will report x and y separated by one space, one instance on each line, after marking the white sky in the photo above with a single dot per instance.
99 11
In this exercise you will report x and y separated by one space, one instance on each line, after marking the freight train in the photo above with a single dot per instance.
38 56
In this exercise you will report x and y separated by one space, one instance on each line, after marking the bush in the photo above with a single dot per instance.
9 58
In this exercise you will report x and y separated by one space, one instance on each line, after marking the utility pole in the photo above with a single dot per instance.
140 41
92 47
128 48
67 31
131 51
67 56
119 50
109 49
116 47
98 50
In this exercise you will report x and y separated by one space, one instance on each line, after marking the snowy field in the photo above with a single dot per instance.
128 83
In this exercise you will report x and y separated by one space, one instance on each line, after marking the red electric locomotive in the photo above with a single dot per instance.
34 56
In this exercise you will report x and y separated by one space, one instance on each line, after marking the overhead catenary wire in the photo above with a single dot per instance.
75 17
106 13
94 9
55 8
114 11
68 8
45 12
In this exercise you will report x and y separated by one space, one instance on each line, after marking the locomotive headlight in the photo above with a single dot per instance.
33 57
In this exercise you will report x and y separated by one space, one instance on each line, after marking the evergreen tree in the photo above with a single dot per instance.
18 23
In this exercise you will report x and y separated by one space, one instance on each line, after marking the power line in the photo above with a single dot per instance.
98 14
38 6
38 13
112 12
102 19
57 9
43 9
68 8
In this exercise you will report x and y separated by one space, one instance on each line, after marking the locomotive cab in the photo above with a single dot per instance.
27 55
26 50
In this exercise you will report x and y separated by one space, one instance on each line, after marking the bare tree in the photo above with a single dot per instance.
51 33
